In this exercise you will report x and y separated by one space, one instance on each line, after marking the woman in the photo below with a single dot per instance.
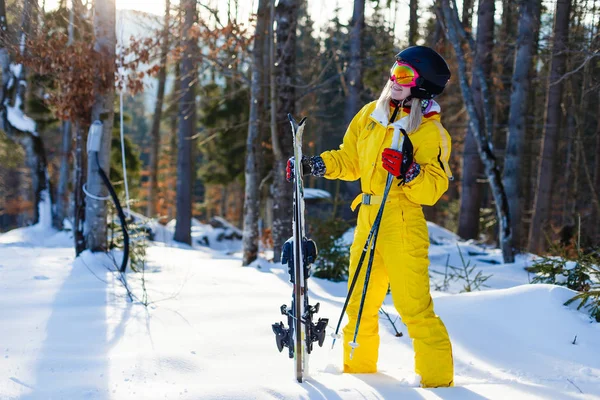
401 254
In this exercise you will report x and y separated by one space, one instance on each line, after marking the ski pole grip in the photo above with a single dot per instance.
396 138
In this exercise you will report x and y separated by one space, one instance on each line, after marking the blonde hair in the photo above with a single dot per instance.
383 106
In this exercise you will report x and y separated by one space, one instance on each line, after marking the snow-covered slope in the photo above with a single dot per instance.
68 331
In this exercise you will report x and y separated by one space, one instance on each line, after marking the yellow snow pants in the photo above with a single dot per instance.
401 259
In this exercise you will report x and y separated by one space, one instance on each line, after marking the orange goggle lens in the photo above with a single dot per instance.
403 74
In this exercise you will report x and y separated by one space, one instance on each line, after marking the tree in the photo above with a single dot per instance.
223 117
513 162
472 168
504 63
252 171
354 73
467 14
187 125
157 117
79 199
481 129
103 110
539 223
596 212
285 16
62 198
413 23
15 123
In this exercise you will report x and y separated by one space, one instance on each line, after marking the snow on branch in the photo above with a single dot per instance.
20 121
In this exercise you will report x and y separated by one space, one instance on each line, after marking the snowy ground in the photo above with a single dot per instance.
68 331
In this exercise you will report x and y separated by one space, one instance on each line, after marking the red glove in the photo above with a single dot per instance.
401 164
392 161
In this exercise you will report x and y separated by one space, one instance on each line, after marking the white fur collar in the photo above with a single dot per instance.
381 117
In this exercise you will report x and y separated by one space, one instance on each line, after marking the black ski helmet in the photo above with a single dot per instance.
433 71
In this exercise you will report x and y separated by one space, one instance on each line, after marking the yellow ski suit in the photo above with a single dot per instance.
401 254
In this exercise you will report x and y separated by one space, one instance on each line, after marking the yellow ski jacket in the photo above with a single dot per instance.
359 156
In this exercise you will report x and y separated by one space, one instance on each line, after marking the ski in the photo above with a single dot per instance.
299 253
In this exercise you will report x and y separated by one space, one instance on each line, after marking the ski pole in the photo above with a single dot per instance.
372 235
351 289
376 225
364 252
355 277
353 344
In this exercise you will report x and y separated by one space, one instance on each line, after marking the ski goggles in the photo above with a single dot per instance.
403 74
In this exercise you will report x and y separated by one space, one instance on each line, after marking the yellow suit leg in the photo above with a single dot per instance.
365 356
407 267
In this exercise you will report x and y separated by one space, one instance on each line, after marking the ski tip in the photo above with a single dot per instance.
294 122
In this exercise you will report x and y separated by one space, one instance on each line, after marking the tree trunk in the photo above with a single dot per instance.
187 127
62 194
173 123
413 21
506 50
354 76
103 110
472 169
595 214
513 162
438 30
252 172
355 63
480 129
471 189
285 15
79 198
24 35
224 201
32 142
538 229
467 14
157 117
532 133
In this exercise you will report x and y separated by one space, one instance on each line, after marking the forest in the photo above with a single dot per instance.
155 242
194 102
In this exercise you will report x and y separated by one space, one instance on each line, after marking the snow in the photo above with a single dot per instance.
16 69
68 330
437 234
311 193
19 120
45 209
225 237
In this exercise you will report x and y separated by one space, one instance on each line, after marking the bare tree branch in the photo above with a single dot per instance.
583 64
